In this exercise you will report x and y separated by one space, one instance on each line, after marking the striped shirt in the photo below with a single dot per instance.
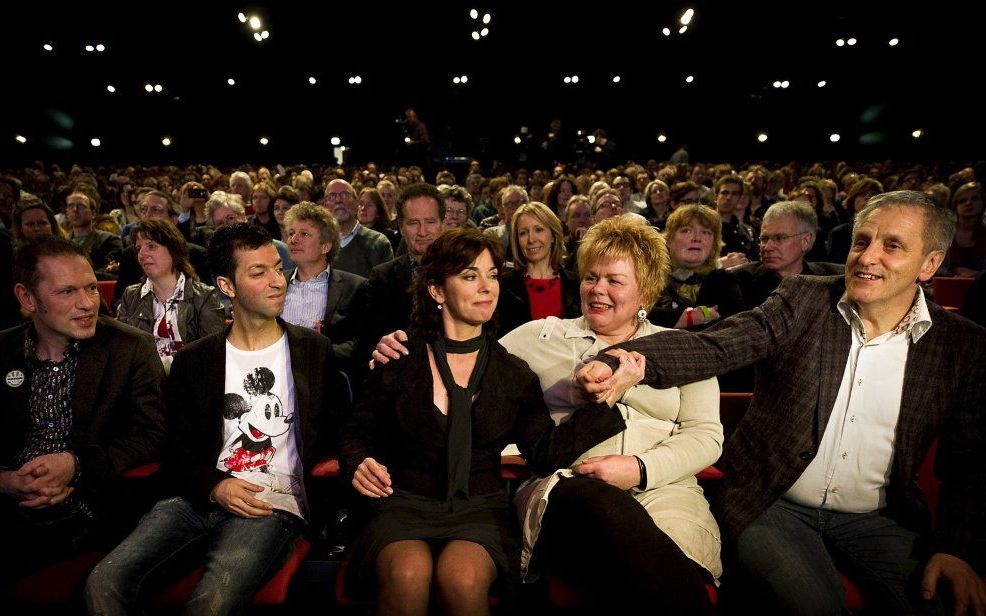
304 305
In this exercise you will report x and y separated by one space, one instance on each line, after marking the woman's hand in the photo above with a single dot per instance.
690 317
630 372
372 479
620 471
732 260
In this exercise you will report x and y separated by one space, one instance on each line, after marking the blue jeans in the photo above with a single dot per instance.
241 554
792 552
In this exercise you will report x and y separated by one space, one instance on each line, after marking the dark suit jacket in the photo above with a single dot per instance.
719 289
344 314
366 250
757 282
514 306
117 409
802 342
397 424
102 247
194 395
388 303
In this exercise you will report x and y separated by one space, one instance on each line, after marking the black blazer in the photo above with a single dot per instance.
117 409
194 395
397 424
757 282
388 303
514 306
719 289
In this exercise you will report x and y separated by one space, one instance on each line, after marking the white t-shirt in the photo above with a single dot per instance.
260 425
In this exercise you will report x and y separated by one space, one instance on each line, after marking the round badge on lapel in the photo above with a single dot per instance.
15 378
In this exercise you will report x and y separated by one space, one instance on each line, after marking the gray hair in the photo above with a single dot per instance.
802 211
939 222
223 199
241 176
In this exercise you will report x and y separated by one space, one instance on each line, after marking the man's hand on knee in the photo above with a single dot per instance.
968 589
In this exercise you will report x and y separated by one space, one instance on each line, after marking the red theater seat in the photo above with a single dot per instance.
55 584
949 291
106 290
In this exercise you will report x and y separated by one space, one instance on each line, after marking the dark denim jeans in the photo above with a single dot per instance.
791 552
241 554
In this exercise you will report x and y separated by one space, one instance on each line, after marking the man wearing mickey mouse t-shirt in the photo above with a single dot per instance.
249 414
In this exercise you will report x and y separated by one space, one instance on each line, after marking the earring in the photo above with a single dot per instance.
439 306
641 315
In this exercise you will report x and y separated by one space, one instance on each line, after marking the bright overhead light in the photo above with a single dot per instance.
241 17
851 42
48 47
568 79
893 42
148 87
20 138
762 137
456 80
686 17
255 22
264 35
486 18
100 48
666 31
591 139
464 78
357 80
95 142
840 42
257 37
475 35
834 137
682 29
917 134
158 88
777 84
231 81
335 141
575 78
616 79
90 48
312 80
822 83
661 138
785 83
110 89
407 140
689 79
517 140
166 141
484 31
352 80
264 141
474 14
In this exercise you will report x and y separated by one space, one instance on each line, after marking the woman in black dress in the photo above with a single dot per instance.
425 441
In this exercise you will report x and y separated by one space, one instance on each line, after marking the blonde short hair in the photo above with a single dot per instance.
543 214
630 238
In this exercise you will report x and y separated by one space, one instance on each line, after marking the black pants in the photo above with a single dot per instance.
599 538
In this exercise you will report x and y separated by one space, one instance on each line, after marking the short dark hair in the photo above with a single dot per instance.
452 252
28 256
414 191
227 240
166 234
732 178
289 194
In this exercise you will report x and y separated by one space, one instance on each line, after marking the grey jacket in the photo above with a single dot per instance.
199 314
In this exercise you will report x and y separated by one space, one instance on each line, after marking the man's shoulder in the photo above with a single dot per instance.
370 237
109 331
956 328
747 271
389 269
823 268
345 277
13 335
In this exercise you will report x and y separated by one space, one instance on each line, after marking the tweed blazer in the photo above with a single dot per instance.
802 343
366 250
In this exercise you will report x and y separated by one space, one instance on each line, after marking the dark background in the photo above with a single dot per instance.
407 53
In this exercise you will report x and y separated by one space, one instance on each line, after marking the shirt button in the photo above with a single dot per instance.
852 419
845 455
50 396
859 382
835 490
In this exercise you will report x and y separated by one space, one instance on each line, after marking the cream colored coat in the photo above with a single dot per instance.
675 431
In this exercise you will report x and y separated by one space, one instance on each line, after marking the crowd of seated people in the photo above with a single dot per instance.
266 292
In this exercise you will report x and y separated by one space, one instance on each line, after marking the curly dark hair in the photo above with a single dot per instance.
452 252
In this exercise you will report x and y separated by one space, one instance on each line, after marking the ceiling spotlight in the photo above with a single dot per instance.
474 14
834 137
893 42
352 80
821 84
166 141
110 89
762 137
475 35
851 42
575 78
682 29
255 22
686 17
407 140
312 80
486 18
90 48
456 80
241 17
95 142
357 80
257 37
48 47
264 35
785 83
100 48
20 138
517 140
484 31
264 141
591 139
158 88
568 79
689 79
464 78
917 134
840 42
666 31
231 81
661 138
777 84
335 141
616 79
148 87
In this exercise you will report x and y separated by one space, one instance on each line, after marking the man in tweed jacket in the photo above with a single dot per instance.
855 379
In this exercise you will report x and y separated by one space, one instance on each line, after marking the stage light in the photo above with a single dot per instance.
20 138
312 80
917 134
95 142
241 17
231 81
357 80
148 87
158 88
834 137
486 18
851 42
255 22
840 42
407 140
579 133
777 84
591 139
48 47
464 78
785 84
689 79
575 78
352 80
762 137
456 80
893 42
110 89
90 48
517 140
264 141
661 138
264 35
166 141
822 83
568 79
686 17
257 37
616 79
666 31
682 29
475 35
474 14
100 48
484 31
335 141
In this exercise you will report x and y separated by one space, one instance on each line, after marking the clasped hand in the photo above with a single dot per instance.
41 482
